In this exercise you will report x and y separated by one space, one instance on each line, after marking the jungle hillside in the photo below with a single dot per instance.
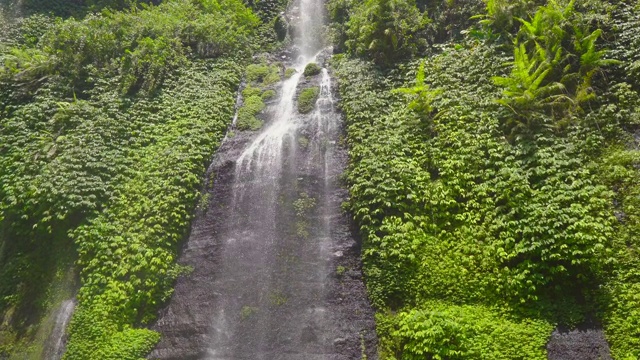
493 177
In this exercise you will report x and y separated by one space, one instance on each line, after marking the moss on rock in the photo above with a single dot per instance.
307 99
312 69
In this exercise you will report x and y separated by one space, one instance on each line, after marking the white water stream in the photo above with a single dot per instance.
265 253
57 339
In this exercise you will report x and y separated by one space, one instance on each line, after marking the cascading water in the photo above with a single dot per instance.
55 346
265 252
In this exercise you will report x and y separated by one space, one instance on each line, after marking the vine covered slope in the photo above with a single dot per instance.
494 171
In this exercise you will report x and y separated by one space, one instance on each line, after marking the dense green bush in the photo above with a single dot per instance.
268 95
289 72
555 60
444 331
247 120
531 228
392 31
263 74
312 69
66 8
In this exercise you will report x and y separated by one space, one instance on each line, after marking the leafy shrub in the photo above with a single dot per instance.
27 31
257 72
385 30
268 95
304 204
250 91
247 120
463 332
307 99
113 119
619 296
273 77
502 15
493 220
312 69
127 250
626 48
547 72
148 39
263 73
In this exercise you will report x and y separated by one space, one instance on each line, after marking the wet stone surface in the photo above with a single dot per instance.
578 344
276 263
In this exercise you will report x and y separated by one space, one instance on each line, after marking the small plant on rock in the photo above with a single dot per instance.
307 99
247 120
289 72
312 69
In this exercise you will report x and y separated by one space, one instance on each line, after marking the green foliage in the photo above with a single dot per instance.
385 30
127 251
268 94
263 73
626 20
107 124
26 31
524 89
452 213
307 99
149 42
303 141
391 31
487 225
501 15
257 72
148 64
247 311
422 96
276 298
312 69
250 91
258 76
303 204
251 107
555 60
619 297
76 8
444 331
24 65
273 77
289 73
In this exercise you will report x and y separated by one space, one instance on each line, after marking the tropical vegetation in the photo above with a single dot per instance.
493 171
108 122
493 175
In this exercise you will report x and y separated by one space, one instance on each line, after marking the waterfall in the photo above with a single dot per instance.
54 349
265 253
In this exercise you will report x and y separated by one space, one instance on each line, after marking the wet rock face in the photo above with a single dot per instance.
276 263
578 344
269 282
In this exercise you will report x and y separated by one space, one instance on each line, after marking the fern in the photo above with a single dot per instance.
421 93
525 87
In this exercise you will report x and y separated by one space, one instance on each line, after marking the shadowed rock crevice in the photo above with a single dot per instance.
582 343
